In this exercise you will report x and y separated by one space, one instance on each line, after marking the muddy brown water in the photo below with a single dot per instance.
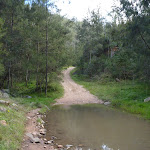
92 127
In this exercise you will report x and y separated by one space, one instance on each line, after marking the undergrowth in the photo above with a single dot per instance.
36 98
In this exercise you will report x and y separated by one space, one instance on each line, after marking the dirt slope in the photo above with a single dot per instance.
74 93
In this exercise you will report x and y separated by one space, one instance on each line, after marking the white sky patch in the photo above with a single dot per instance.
79 8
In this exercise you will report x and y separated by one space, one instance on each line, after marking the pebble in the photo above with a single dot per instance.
28 117
60 146
43 131
45 139
68 146
51 141
53 137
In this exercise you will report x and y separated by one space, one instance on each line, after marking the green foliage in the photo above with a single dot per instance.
38 100
26 27
123 64
120 48
12 134
124 95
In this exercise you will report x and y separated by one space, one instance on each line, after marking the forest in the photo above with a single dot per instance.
35 44
119 49
110 59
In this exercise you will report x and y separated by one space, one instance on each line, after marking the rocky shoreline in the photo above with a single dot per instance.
34 138
34 134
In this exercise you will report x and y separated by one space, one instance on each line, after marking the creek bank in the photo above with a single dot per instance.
34 138
129 96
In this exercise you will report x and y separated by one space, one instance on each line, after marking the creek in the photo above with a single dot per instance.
91 127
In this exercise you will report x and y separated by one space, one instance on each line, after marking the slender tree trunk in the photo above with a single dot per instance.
10 63
11 80
90 57
27 71
9 75
46 49
37 69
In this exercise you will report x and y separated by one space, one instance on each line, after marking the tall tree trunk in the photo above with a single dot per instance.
10 63
9 75
27 73
37 69
46 49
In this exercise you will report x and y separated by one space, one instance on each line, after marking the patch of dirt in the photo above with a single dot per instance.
75 93
32 127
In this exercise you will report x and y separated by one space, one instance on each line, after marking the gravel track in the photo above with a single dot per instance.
75 93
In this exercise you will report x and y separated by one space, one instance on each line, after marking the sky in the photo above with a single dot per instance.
79 8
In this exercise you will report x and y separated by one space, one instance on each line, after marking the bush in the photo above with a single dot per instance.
122 64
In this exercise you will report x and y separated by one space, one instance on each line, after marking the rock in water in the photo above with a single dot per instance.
147 99
105 147
53 138
68 146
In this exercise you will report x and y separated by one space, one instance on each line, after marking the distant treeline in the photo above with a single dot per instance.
120 49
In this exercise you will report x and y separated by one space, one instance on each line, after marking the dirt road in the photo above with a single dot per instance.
74 93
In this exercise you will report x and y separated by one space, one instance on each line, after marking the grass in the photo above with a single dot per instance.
124 95
11 135
38 98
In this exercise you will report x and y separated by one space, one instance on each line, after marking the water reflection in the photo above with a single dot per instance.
91 127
